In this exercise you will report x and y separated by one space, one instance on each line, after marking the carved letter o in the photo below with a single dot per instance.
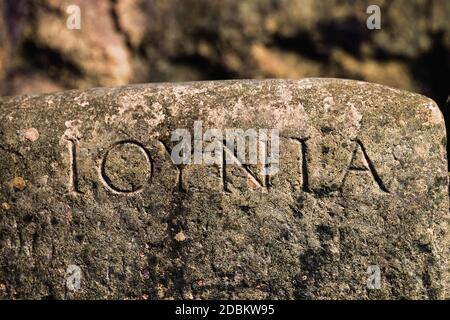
126 167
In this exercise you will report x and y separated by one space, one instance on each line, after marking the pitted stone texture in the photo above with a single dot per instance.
362 182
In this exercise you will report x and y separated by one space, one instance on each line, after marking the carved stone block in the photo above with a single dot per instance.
92 204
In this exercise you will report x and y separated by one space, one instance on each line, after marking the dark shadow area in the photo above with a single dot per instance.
206 69
347 34
433 71
301 43
51 62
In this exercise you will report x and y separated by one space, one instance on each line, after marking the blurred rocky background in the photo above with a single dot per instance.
129 41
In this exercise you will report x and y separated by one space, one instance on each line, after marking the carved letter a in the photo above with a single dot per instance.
361 162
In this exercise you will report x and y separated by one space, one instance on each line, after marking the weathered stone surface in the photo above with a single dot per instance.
87 182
